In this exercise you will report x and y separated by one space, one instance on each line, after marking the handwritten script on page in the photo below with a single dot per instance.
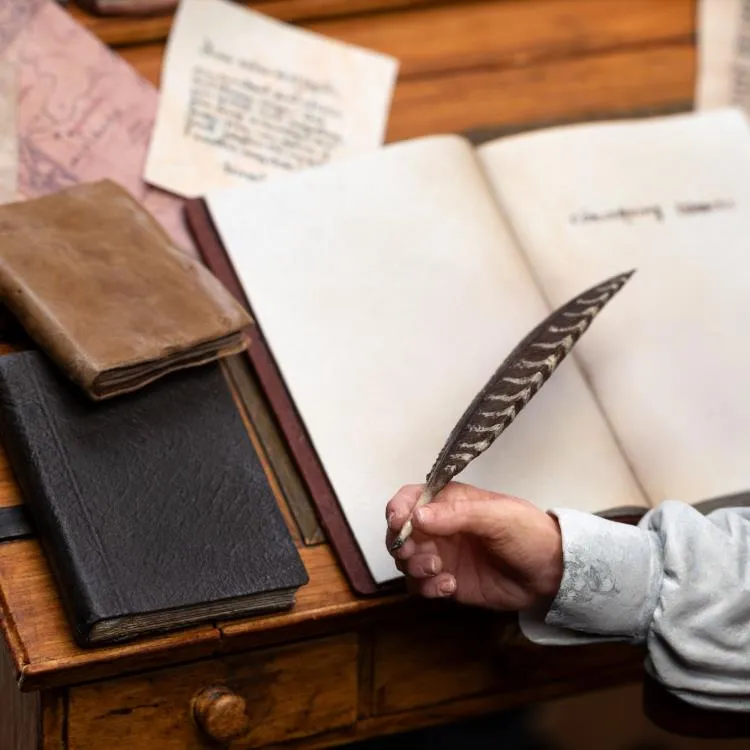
629 215
83 113
8 134
244 96
723 54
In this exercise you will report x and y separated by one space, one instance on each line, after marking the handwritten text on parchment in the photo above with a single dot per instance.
261 117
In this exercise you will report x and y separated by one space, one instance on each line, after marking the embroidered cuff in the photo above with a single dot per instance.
611 576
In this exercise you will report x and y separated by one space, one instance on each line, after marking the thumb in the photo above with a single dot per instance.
458 514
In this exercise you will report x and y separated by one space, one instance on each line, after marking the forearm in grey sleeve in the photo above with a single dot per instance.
678 582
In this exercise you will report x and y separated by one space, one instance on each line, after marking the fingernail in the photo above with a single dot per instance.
447 587
391 516
404 552
431 566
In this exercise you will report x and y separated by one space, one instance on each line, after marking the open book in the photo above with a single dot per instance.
389 287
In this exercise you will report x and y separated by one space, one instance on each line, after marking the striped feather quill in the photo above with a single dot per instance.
513 385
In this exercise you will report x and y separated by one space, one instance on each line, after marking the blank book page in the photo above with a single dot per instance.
389 290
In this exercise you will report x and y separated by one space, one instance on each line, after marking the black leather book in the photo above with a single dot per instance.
153 508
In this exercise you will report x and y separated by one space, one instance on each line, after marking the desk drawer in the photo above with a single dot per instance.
427 661
288 692
464 653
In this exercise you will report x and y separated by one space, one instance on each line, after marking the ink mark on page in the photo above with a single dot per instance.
654 213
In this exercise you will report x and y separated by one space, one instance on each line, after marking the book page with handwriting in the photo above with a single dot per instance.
245 96
669 360
389 290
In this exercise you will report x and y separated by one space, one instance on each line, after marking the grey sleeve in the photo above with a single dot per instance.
679 583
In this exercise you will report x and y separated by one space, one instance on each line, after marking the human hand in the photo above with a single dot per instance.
478 547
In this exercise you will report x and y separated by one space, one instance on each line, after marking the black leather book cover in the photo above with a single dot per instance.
153 508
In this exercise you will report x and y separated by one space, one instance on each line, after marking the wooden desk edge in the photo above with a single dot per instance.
194 643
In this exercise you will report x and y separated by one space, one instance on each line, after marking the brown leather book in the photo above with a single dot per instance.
96 282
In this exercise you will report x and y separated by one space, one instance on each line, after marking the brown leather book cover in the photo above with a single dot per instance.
332 519
95 281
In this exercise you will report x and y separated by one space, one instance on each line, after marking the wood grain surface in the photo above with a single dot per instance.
19 712
414 674
47 655
613 84
53 720
117 31
290 692
490 64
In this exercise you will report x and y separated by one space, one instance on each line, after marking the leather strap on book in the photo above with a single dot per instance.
15 524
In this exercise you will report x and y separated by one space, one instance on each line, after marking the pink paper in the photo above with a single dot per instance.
83 113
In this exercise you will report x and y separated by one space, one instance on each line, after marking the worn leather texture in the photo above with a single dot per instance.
96 282
332 518
147 503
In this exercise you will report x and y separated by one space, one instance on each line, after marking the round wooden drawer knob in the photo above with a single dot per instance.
221 714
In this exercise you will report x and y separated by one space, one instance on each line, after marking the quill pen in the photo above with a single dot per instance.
512 386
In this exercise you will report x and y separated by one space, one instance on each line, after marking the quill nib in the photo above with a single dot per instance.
512 386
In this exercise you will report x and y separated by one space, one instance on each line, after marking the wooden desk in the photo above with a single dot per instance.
338 668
